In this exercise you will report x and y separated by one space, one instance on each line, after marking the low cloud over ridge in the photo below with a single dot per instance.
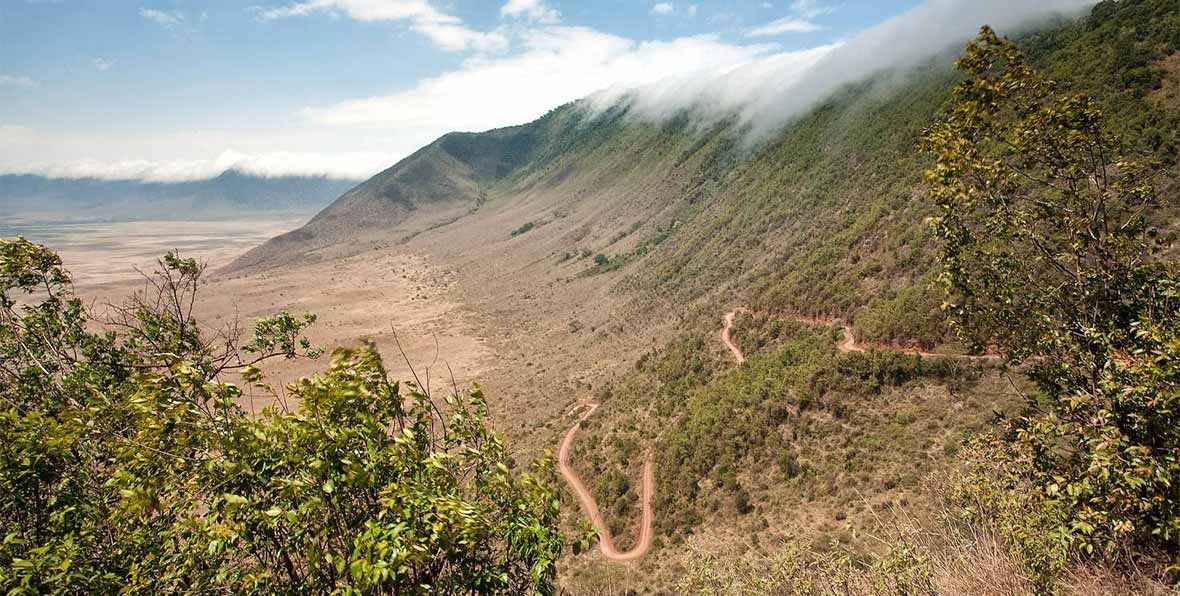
770 90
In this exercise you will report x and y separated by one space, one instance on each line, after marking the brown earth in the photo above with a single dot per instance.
606 542
400 302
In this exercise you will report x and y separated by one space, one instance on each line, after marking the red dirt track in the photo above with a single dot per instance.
606 542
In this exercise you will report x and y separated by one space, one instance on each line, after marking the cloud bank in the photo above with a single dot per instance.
770 90
19 140
340 166
556 65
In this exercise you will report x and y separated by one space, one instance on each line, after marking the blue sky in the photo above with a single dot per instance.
172 89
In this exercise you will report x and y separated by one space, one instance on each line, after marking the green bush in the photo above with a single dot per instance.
523 229
127 463
913 314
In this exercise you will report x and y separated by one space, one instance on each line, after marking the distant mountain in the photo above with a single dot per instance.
33 198
438 184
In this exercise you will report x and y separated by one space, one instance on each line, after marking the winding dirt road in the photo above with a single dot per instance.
727 340
849 344
606 542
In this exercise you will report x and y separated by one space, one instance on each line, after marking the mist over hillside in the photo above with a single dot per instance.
768 92
738 113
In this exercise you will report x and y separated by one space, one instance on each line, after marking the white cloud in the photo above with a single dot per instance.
552 66
663 8
351 166
342 165
446 31
718 93
167 20
692 10
557 65
536 10
16 81
103 64
784 25
769 92
761 86
799 21
199 154
810 9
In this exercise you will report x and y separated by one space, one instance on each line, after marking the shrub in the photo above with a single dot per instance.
523 229
127 463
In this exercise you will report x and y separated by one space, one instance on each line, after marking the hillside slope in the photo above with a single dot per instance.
601 250
823 220
436 185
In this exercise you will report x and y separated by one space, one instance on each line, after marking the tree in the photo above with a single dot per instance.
127 463
1049 255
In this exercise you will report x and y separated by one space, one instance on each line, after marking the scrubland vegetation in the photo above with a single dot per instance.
128 461
1050 238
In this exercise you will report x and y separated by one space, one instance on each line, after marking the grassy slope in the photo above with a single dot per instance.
825 220
828 221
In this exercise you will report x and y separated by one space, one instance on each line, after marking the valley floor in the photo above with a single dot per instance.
398 301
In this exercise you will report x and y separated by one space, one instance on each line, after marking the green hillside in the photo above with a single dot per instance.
828 221
677 223
823 220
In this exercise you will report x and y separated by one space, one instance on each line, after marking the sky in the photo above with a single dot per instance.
184 89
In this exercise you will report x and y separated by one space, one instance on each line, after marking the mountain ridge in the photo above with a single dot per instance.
34 198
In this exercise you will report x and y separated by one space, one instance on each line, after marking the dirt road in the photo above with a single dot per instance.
727 340
849 344
606 542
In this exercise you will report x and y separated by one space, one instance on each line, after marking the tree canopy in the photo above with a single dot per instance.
1049 255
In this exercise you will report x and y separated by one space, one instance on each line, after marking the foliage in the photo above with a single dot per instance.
990 491
912 314
605 264
128 464
798 411
523 229
827 218
794 569
1047 251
